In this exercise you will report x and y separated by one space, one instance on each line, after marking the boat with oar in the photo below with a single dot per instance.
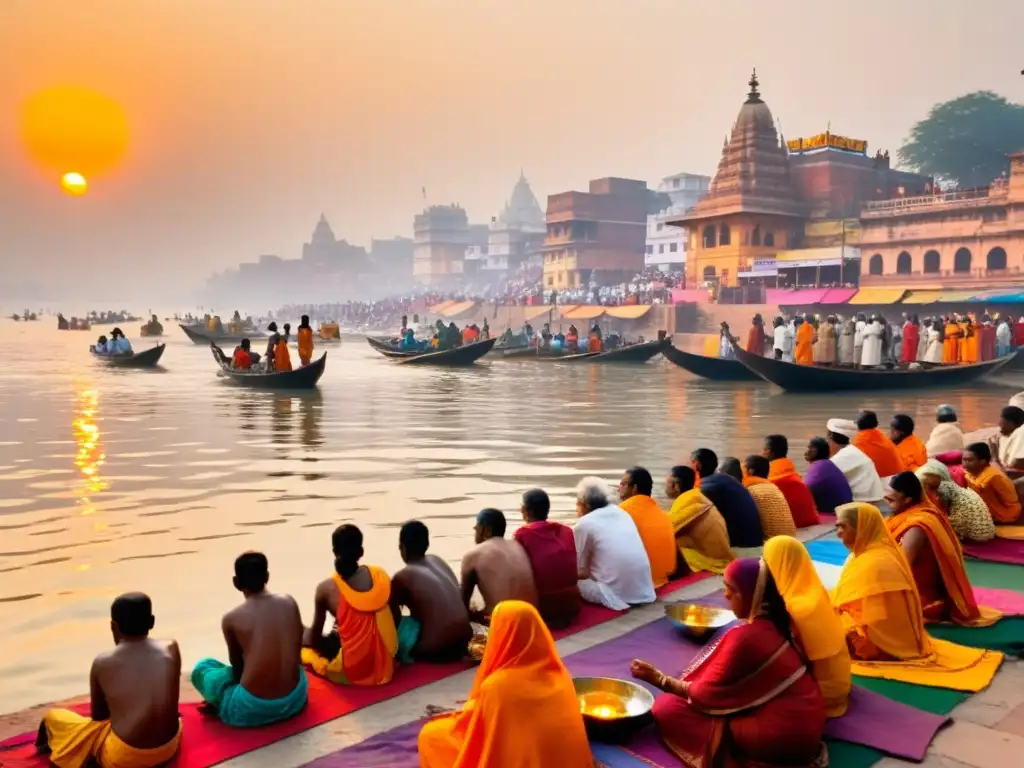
148 358
199 335
793 377
464 355
305 377
633 354
712 368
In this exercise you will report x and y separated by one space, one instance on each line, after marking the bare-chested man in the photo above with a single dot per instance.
499 567
265 682
134 691
439 629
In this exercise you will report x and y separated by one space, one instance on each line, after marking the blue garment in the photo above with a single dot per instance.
237 707
119 346
408 635
100 349
737 507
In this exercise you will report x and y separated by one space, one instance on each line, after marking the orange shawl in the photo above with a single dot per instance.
749 480
912 451
520 673
804 353
282 358
998 492
880 449
963 609
781 468
783 473
656 532
305 344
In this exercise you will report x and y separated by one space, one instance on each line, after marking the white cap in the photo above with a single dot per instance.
842 427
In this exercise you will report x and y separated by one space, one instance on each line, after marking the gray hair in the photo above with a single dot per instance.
592 491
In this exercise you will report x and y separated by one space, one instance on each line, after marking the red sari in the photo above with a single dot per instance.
911 338
552 552
751 703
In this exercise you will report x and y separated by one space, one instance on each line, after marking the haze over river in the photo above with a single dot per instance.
112 481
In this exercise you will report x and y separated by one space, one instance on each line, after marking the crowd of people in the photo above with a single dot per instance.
277 357
873 341
794 653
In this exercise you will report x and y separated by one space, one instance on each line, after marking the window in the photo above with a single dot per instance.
709 236
551 281
875 265
661 248
996 259
650 249
962 260
673 247
931 262
724 235
904 263
709 272
755 236
769 239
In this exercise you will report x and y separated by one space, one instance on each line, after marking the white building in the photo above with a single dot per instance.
515 235
666 246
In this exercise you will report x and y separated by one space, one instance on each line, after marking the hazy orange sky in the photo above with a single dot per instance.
250 117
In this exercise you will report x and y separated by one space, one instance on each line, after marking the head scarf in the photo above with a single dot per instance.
742 575
817 626
842 427
518 638
934 467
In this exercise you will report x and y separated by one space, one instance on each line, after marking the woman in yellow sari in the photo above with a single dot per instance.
880 610
520 674
818 631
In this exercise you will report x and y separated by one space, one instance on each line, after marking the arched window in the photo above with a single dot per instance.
709 272
903 263
724 235
755 236
962 261
996 259
769 239
709 236
875 265
931 262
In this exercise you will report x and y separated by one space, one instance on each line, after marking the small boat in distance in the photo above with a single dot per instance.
148 358
464 355
305 377
198 336
712 368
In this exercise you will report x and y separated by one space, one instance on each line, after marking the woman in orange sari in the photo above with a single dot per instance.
520 673
748 700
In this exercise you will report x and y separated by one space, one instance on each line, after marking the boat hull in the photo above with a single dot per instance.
457 356
816 378
148 358
633 354
305 377
713 368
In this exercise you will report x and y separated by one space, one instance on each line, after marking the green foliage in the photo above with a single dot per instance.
966 140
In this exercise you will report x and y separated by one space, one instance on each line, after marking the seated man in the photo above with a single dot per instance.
651 522
732 500
265 682
992 484
946 435
909 446
933 551
242 358
612 563
437 628
825 481
772 507
701 535
782 472
361 648
552 552
500 567
877 445
1008 445
134 690
860 472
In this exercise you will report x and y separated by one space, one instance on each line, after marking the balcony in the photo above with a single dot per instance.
971 198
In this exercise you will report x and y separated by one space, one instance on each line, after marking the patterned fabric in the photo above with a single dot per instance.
772 508
968 513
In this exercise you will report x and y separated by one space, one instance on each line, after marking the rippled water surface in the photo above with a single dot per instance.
134 480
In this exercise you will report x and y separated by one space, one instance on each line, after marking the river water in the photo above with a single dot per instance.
113 480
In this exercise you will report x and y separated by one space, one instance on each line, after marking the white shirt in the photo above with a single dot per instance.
1011 447
613 565
779 338
860 473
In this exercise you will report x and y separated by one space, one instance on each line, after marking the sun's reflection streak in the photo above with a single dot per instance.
89 457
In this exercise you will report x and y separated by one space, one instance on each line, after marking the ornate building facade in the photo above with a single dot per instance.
516 235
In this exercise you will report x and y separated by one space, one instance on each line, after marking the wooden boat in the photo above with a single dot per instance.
1017 362
205 337
305 377
713 368
464 355
820 378
146 359
634 354
533 353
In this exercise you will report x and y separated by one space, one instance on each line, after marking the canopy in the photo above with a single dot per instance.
632 312
455 308
583 312
957 296
795 298
531 313
1007 298
878 296
440 308
838 295
922 297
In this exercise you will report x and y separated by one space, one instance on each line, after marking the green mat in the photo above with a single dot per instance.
1006 636
995 575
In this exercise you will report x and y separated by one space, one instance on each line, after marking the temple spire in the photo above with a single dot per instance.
754 97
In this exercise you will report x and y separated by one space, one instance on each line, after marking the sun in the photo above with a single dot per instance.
67 126
74 184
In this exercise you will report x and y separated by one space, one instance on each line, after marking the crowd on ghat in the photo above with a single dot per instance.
873 341
769 684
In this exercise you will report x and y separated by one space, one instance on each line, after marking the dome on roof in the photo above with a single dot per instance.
323 232
522 208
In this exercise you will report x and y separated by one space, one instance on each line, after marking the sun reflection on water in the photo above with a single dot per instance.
89 457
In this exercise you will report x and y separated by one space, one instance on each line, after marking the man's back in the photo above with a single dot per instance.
139 680
737 506
503 572
429 589
611 553
551 549
268 630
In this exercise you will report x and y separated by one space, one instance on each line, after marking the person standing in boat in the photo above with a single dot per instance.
304 335
756 337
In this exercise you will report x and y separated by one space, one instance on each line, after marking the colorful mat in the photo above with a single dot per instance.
207 741
997 551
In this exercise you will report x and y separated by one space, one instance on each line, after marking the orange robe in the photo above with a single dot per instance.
656 533
520 673
282 357
998 492
595 343
946 593
950 344
969 344
241 359
783 473
305 344
913 452
880 449
805 344
366 629
755 340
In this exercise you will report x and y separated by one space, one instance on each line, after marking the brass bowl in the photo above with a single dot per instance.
476 648
697 621
613 709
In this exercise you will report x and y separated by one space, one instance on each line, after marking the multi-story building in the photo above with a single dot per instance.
440 237
596 236
666 245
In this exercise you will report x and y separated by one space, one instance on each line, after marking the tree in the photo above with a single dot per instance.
965 141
